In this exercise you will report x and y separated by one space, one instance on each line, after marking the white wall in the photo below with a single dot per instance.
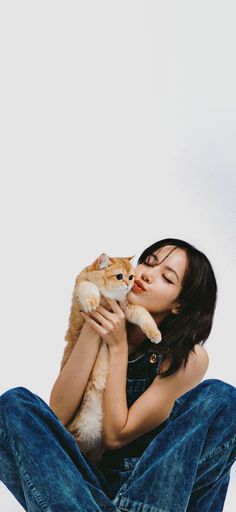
117 129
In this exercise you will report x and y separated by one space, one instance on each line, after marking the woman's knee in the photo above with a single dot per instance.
13 394
212 393
218 388
223 392
211 390
210 397
14 400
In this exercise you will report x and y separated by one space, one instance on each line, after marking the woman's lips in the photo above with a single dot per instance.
137 288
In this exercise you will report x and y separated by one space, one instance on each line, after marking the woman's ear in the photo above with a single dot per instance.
176 309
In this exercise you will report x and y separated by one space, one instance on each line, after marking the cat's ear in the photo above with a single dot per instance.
132 259
103 261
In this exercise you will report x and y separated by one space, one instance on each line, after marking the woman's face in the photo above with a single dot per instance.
162 286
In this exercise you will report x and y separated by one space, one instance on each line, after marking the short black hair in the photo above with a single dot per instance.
192 325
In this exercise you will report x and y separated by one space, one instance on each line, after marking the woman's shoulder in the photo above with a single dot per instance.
200 354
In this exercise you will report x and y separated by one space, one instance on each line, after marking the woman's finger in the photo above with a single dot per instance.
102 319
106 313
114 305
94 324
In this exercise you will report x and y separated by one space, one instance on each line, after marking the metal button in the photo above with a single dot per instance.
153 358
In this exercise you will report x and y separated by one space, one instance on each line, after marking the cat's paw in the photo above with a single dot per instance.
153 334
157 338
90 304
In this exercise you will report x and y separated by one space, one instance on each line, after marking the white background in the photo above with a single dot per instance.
117 130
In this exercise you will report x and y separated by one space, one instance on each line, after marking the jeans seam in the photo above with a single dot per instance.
37 497
218 450
7 439
137 506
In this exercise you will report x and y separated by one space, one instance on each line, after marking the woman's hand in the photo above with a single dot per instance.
111 325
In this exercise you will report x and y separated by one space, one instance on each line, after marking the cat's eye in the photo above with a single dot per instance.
119 276
131 277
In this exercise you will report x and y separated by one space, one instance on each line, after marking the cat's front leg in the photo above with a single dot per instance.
88 295
140 316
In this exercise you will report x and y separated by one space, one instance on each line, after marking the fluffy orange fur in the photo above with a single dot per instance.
112 278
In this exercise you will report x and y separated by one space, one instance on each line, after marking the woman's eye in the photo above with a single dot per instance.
149 265
119 276
131 277
167 279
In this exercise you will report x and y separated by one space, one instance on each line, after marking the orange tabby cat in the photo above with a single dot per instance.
112 278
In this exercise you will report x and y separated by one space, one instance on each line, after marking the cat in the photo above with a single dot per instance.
112 278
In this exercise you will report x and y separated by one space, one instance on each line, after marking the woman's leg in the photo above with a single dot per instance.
40 462
186 467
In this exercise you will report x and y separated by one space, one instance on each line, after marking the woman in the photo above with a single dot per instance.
169 438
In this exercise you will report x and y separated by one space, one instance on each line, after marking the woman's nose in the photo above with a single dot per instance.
146 277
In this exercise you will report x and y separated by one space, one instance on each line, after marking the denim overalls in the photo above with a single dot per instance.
117 465
181 466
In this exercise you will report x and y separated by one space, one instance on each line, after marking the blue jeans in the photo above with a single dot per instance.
186 467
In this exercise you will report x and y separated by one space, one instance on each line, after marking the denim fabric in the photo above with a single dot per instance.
183 465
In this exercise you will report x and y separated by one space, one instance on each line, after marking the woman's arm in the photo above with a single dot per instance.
122 425
112 329
70 385
154 406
